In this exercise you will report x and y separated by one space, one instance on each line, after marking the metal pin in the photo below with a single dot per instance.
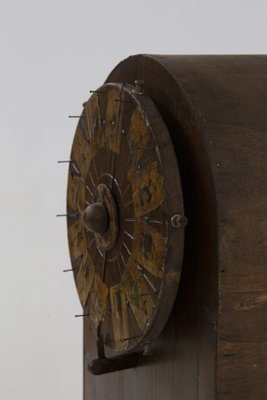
64 161
68 270
68 215
76 116
81 315
97 91
138 86
130 219
179 221
128 234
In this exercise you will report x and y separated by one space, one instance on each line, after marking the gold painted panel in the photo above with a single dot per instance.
148 189
94 125
77 240
76 193
119 315
85 278
97 302
139 136
112 126
137 294
81 152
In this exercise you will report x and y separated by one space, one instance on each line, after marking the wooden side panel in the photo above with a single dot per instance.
229 94
242 330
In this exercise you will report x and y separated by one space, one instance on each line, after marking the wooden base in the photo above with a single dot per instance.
214 345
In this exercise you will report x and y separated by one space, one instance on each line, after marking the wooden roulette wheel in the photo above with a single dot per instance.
125 217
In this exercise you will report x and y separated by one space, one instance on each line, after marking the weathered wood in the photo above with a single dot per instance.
124 189
214 346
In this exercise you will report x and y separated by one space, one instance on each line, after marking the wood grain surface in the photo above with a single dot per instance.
214 346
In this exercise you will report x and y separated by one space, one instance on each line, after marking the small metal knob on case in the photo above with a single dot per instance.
179 221
138 86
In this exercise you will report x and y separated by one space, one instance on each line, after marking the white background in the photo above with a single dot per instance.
52 54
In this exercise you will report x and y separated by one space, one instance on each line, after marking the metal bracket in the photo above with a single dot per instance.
104 365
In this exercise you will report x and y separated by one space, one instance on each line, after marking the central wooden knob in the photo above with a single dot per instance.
95 218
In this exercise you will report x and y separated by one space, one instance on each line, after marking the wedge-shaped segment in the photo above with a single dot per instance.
85 278
76 194
81 154
148 189
77 240
97 302
139 136
136 291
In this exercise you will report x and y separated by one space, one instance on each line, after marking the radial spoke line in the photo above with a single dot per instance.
129 235
128 251
75 168
126 189
154 221
87 187
96 174
150 283
141 270
130 219
130 202
91 178
123 260
91 242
